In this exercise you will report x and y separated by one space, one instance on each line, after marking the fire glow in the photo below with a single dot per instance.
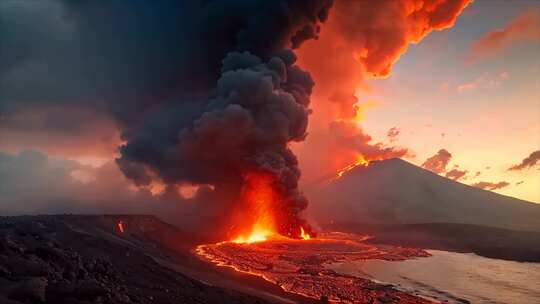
260 217
120 226
360 161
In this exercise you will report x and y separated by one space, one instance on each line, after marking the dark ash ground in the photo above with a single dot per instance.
80 259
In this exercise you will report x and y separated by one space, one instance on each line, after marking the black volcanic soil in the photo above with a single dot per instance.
521 246
82 259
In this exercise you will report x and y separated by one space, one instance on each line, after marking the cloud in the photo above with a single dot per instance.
393 133
491 186
484 81
33 183
528 162
524 27
457 174
360 40
438 162
444 87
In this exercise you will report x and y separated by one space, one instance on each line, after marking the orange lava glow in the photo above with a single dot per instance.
120 226
257 220
300 267
303 234
360 161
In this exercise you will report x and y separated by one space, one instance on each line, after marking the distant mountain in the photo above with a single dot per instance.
394 191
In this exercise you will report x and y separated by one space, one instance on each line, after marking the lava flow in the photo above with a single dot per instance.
301 267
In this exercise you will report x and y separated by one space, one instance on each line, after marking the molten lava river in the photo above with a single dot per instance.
298 265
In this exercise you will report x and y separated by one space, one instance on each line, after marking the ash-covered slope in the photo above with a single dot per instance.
88 259
395 191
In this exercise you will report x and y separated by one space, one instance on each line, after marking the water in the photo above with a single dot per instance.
455 277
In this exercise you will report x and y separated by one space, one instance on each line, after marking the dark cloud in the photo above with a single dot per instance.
491 186
438 162
202 92
457 174
528 162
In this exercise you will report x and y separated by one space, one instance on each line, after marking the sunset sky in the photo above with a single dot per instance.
485 113
469 88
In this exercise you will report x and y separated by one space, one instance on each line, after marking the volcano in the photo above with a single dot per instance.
394 191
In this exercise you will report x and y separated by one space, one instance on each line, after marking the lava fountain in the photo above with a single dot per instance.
261 216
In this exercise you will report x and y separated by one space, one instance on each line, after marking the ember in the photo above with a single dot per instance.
120 226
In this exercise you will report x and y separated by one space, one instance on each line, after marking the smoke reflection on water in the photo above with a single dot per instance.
455 277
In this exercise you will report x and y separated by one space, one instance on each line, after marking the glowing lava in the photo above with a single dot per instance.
120 226
259 233
360 161
303 234
301 267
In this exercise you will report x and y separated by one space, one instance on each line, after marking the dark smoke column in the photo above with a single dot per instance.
258 106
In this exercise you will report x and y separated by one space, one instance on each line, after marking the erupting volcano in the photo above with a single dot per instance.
225 153
263 212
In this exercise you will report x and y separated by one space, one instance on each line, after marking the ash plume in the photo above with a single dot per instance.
203 92
357 46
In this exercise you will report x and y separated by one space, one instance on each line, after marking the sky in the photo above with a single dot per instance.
93 99
485 113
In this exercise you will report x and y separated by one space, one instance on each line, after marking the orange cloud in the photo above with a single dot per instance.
524 27
491 186
456 174
527 162
438 162
360 40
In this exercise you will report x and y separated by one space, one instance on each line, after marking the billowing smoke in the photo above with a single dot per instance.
258 108
360 40
206 92
203 92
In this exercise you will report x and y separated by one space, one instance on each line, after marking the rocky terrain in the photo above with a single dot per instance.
85 259
514 245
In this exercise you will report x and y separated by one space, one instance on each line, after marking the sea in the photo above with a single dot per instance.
451 277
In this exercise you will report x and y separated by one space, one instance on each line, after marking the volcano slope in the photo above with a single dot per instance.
87 259
394 191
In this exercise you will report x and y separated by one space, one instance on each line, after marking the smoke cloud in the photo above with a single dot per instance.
528 162
201 92
360 40
438 162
